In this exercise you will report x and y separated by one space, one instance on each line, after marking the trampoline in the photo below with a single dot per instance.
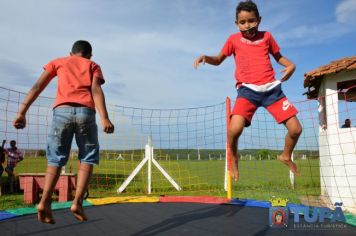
185 155
170 218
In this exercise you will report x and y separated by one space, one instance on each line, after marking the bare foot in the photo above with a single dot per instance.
78 212
291 165
234 171
45 215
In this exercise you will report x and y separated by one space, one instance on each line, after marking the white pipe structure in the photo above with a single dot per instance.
149 159
226 172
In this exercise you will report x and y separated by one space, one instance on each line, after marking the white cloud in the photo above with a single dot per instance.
346 12
293 28
302 35
147 48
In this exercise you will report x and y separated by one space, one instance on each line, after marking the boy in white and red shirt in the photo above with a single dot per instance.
256 82
14 156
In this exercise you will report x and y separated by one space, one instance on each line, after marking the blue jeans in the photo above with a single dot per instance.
68 122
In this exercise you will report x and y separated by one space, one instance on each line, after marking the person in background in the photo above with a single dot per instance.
347 124
14 156
2 161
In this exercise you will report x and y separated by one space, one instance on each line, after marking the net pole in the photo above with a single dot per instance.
291 174
149 153
228 154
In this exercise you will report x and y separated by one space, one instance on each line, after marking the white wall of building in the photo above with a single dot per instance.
337 147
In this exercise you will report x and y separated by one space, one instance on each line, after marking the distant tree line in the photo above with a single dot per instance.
192 154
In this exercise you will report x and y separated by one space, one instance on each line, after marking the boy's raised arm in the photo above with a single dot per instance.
212 60
99 100
42 82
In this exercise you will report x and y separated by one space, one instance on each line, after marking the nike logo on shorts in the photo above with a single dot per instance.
286 105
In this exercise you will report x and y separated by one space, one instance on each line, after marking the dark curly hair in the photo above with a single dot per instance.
82 46
249 6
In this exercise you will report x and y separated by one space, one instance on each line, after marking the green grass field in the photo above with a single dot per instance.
258 179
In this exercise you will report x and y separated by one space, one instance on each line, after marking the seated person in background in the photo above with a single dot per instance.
2 160
14 156
347 124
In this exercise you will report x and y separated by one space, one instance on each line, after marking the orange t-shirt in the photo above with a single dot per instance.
75 76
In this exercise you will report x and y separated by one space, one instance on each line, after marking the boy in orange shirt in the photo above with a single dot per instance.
78 94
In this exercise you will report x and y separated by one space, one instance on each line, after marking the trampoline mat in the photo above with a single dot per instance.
162 219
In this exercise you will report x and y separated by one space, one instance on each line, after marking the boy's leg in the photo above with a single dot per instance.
10 175
86 136
44 206
284 112
235 129
59 143
11 183
1 172
294 130
84 173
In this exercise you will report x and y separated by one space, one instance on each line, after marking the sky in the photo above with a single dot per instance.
146 48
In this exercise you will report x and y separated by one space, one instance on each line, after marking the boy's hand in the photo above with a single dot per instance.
108 127
211 60
201 59
19 121
288 71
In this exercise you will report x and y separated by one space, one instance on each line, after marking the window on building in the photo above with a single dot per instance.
347 103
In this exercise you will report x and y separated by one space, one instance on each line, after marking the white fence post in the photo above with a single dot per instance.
148 157
291 174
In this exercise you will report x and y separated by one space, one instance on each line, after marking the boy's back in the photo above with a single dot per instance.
75 75
79 93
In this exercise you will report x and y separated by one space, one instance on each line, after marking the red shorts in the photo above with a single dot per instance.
275 102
